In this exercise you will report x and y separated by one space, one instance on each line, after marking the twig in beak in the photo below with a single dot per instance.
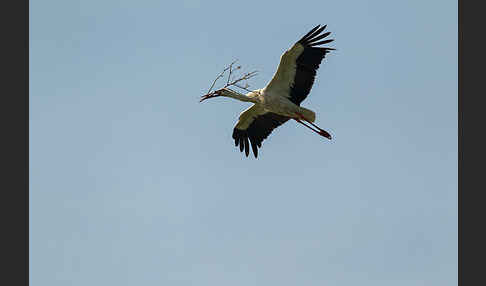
229 81
209 95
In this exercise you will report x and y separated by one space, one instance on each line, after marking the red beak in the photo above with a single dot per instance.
209 95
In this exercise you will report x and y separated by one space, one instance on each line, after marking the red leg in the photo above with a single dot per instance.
319 131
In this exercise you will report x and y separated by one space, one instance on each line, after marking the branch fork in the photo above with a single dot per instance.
230 80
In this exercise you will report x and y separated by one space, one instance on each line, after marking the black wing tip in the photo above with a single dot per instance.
310 39
243 140
257 131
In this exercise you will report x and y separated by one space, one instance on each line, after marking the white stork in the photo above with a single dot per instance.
280 100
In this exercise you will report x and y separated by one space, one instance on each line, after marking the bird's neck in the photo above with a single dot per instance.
236 95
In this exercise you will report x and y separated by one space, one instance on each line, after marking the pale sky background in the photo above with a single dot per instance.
134 182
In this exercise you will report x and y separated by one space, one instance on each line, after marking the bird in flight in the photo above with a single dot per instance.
280 99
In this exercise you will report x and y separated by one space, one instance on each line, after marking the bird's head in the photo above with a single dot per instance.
220 92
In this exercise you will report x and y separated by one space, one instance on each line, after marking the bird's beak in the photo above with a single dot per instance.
210 95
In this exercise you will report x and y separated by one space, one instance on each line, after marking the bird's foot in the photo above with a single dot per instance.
319 131
325 134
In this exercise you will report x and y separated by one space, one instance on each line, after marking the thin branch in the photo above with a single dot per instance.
214 82
221 75
246 76
243 87
230 72
233 82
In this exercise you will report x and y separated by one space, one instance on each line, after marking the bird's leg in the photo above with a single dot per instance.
298 120
319 131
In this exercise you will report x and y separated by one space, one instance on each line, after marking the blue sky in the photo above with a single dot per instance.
134 182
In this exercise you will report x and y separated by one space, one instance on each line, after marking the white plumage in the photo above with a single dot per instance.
280 100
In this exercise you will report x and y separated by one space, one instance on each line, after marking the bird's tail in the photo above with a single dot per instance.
308 114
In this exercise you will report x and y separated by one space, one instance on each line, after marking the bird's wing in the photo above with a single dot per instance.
298 65
254 126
